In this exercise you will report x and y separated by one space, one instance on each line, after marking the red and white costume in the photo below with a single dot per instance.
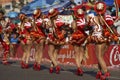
39 25
97 34
24 32
58 23
6 50
5 44
109 19
79 35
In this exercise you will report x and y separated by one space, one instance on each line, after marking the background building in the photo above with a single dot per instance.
12 5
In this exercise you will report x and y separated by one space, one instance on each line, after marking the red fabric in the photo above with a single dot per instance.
76 9
106 33
6 50
39 24
0 28
109 22
77 35
118 1
66 55
51 37
12 26
109 19
60 36
59 24
25 40
41 33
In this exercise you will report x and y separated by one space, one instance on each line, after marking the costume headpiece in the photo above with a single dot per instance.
100 7
37 13
53 12
78 11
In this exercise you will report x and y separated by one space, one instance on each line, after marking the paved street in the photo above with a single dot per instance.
14 72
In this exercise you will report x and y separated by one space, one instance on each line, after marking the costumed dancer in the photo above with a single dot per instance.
25 39
4 38
99 39
55 38
11 28
79 36
5 43
40 37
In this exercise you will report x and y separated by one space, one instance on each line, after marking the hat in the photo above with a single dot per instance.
53 12
78 11
22 16
100 7
37 13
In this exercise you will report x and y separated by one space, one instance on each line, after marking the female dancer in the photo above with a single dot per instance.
26 41
79 36
55 38
5 43
14 37
4 38
99 39
40 39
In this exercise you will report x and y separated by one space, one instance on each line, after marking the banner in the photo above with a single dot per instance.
111 56
66 55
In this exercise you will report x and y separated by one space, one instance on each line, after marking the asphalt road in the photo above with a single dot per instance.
14 72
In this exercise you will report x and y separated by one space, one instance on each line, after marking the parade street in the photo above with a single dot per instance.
14 72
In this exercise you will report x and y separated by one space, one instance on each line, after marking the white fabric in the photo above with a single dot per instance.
39 21
118 30
81 22
27 24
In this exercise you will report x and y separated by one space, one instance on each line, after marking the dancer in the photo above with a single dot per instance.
79 36
5 43
55 38
100 40
25 39
39 41
4 38
11 29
